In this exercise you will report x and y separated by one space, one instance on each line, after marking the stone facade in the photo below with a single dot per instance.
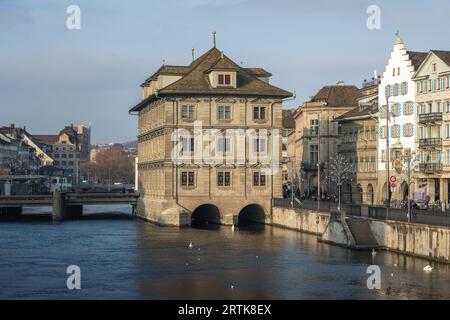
177 98
316 118
432 83
397 115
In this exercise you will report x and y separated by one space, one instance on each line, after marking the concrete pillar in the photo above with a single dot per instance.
59 206
443 191
431 190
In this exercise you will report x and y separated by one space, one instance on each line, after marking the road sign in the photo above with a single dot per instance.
392 179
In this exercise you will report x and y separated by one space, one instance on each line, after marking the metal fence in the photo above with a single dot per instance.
430 216
324 206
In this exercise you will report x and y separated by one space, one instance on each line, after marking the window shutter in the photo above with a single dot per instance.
404 130
380 132
411 129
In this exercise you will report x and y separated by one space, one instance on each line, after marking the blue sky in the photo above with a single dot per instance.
51 76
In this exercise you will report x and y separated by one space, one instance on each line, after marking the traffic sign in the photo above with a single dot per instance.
392 179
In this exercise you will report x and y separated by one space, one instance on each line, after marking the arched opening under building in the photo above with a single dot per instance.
347 193
369 194
252 217
405 191
383 194
206 216
359 194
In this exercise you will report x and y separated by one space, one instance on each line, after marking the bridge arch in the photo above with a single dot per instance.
252 213
205 214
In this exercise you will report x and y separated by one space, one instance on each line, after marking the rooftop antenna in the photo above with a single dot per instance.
214 39
375 74
193 54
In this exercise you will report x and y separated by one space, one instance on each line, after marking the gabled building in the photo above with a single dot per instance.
397 117
218 94
316 129
432 84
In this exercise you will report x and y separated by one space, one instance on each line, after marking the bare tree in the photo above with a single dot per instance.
409 165
341 170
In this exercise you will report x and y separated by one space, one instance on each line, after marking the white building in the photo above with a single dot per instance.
397 95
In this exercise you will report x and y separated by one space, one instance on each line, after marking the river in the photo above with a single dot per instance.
131 259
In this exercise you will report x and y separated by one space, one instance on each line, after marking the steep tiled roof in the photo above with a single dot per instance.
337 96
289 118
258 72
46 138
167 70
359 111
417 58
196 80
443 55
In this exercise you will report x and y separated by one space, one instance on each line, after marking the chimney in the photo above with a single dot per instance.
341 83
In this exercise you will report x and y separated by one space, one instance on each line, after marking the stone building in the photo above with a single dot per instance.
432 83
396 96
67 149
217 94
314 119
358 143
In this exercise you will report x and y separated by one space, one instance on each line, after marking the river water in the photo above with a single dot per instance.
132 259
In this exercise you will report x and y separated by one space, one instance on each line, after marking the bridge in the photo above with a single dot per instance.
65 205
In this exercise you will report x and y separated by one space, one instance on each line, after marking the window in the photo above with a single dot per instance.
57 155
224 144
259 145
64 156
398 71
447 131
64 163
70 163
187 111
187 179
387 91
259 179
56 163
395 110
448 107
259 113
224 80
395 131
314 125
284 146
187 145
393 72
224 178
224 112
396 89
434 67
314 153
383 132
70 155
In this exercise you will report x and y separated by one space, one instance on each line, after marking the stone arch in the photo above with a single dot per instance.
370 193
347 193
252 213
404 191
204 215
359 194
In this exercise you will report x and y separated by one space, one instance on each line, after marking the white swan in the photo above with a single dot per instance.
428 269
190 244
374 253
232 228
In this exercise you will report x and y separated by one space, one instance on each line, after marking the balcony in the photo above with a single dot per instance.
430 143
430 168
430 118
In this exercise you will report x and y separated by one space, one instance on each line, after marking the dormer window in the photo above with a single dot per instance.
224 80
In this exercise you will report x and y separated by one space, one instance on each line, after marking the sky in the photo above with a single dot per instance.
51 76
